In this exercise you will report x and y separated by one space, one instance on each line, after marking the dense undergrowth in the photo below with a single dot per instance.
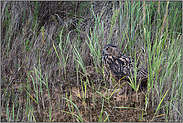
51 60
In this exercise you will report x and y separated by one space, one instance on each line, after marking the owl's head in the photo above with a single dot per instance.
111 50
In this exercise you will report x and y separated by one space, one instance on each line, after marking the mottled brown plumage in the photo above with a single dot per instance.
120 65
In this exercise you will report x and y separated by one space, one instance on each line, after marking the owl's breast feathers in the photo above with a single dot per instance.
123 66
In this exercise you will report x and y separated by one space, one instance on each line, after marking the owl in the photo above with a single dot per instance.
121 66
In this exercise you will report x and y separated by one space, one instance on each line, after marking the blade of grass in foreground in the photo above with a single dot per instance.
79 114
160 104
101 113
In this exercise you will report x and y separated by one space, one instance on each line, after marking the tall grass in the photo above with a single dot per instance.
38 55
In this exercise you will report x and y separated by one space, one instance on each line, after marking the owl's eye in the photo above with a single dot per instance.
107 49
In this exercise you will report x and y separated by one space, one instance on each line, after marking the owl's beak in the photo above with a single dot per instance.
104 52
103 55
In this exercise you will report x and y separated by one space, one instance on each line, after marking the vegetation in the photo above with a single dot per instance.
51 60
